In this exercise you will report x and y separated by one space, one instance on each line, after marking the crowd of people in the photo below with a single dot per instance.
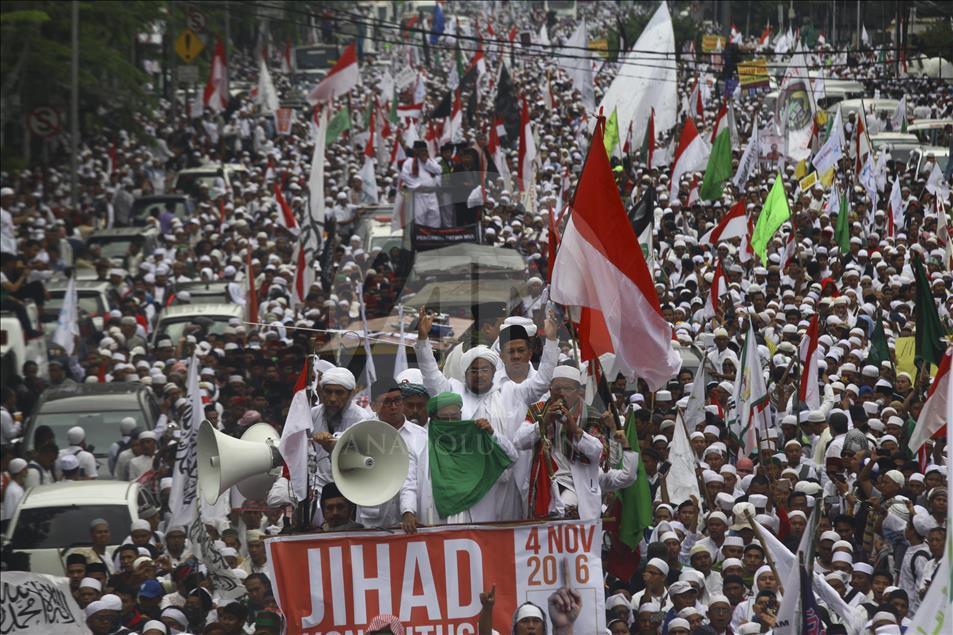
567 446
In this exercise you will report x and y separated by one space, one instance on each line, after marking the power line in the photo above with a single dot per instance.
548 55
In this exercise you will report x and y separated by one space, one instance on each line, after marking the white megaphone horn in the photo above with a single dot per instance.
249 461
370 462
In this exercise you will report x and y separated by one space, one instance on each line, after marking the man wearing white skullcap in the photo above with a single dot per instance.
126 426
574 433
76 437
482 399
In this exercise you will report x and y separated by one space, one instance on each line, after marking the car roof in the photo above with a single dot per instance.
122 232
895 136
202 310
90 397
60 284
163 197
929 124
77 493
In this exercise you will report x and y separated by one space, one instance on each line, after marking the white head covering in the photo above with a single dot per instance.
480 352
338 377
567 372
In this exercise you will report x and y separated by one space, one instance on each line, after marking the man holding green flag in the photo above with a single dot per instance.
463 461
774 214
340 121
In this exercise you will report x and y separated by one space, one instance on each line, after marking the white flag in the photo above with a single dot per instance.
267 97
748 159
294 443
751 396
67 324
316 180
400 359
680 481
184 475
833 149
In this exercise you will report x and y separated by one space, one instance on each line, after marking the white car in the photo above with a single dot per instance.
214 317
53 519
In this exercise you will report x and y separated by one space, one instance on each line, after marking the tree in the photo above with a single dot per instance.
35 60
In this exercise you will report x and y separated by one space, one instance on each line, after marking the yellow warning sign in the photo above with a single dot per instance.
188 45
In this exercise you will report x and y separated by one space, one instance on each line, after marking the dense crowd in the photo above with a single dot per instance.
567 445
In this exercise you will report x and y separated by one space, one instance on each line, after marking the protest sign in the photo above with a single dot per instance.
337 582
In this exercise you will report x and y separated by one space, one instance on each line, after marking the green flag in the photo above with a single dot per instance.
879 349
464 464
611 136
636 498
718 169
842 231
774 214
929 336
340 122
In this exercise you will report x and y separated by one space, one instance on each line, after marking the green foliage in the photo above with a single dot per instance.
938 39
35 57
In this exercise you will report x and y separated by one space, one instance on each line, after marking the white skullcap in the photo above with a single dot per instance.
338 376
91 583
678 622
140 525
410 376
111 602
480 352
127 425
616 600
176 614
842 556
75 435
94 607
518 320
659 564
155 625
567 372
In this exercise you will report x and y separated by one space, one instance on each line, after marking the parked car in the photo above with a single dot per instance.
210 292
191 180
899 144
920 155
98 408
53 519
114 243
872 106
213 318
15 349
93 296
931 131
144 206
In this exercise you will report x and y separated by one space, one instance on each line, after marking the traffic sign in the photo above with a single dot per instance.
44 122
188 45
196 20
188 74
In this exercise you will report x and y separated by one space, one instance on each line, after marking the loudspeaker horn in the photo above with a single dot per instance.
370 462
250 459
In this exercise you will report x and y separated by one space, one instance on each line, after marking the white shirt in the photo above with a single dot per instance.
8 236
9 427
87 462
139 466
351 414
389 514
11 498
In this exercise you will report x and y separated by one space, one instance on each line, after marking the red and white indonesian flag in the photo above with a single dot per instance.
935 413
527 155
342 77
286 217
304 273
733 225
696 103
808 391
719 287
690 155
215 97
788 252
409 111
453 125
895 212
600 265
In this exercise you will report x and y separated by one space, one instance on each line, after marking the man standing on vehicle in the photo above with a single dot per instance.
143 463
40 469
76 437
421 175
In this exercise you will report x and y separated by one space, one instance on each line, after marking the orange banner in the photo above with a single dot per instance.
337 582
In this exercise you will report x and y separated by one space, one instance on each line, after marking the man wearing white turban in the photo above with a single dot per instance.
481 400
335 414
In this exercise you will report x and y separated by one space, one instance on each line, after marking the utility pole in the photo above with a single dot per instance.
74 107
858 24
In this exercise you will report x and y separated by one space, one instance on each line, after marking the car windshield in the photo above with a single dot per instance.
102 428
173 329
143 209
91 303
193 182
57 527
114 248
